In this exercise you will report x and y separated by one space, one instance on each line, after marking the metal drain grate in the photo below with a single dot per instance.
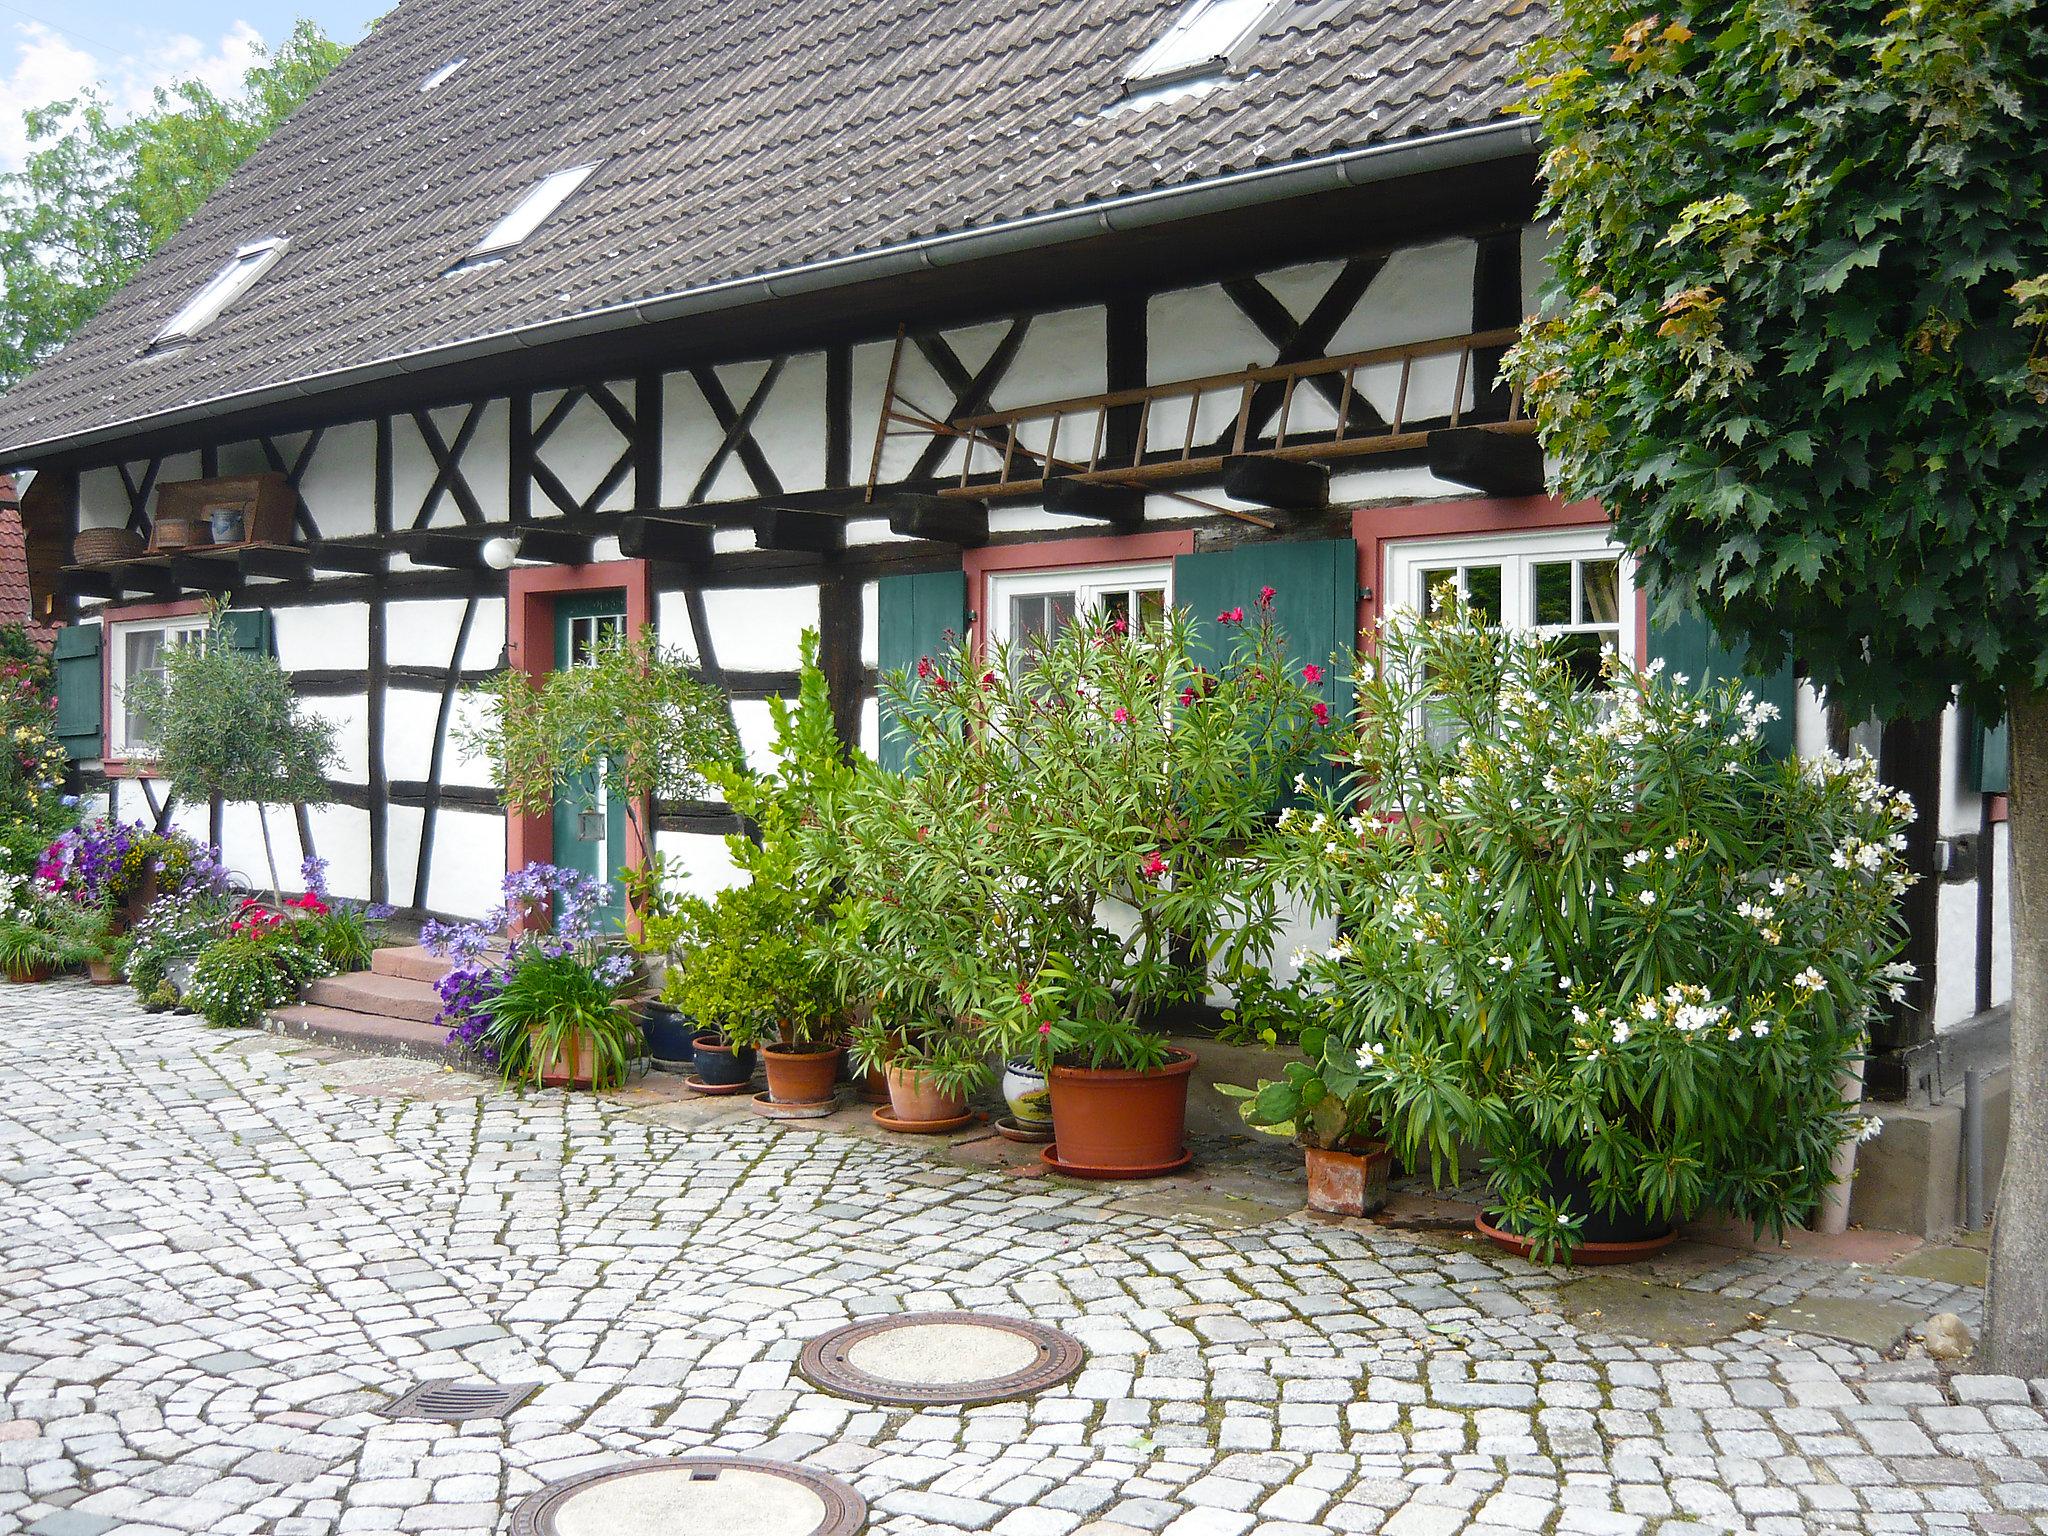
450 1402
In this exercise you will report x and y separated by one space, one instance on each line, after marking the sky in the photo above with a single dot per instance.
53 49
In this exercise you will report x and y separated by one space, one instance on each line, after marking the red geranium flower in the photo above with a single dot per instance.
1154 867
924 666
1321 711
1266 596
1311 673
1230 616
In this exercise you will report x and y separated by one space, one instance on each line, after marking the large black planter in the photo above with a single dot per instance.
721 1065
671 1038
1574 1191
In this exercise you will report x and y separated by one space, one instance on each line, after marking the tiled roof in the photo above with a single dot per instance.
736 139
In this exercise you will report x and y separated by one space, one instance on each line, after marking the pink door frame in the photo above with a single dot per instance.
530 594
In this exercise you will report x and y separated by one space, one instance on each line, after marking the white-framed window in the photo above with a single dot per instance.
1573 583
527 214
1029 608
1201 39
221 290
137 648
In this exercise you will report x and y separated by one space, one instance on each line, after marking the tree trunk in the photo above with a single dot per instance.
263 821
2016 1309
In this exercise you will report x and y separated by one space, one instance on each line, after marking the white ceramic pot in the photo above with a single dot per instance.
1025 1091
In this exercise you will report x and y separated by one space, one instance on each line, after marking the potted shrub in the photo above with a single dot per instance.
263 961
932 1069
1066 860
540 1003
751 982
1591 929
1321 1103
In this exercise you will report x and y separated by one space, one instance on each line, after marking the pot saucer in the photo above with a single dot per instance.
1590 1254
1051 1158
889 1122
767 1107
1010 1128
697 1084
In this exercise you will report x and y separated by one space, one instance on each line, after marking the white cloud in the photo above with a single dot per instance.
47 67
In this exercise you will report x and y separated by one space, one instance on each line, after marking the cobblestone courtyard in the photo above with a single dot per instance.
219 1254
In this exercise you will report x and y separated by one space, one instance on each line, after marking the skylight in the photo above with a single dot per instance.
440 76
221 290
1200 39
527 215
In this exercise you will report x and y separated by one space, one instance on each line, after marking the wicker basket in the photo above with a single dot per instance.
175 533
94 545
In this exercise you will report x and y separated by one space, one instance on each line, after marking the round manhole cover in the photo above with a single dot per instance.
939 1357
694 1496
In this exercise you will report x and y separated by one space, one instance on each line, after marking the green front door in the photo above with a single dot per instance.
590 826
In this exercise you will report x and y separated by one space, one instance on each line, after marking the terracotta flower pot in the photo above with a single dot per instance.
101 972
31 973
874 1086
800 1077
571 1065
1114 1121
1350 1181
913 1096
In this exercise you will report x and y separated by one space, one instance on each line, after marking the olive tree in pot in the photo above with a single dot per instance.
222 720
1591 928
1066 858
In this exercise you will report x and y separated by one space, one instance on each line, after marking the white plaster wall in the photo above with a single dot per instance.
870 727
2001 917
1413 483
402 852
760 629
790 428
672 623
248 458
868 530
102 499
351 718
1424 293
582 450
241 845
703 864
1955 982
469 862
411 718
740 381
870 623
341 836
339 484
689 436
756 731
484 463
422 633
322 637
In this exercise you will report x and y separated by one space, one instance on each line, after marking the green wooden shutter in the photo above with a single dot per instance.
1315 603
250 629
81 689
916 616
1989 770
1688 646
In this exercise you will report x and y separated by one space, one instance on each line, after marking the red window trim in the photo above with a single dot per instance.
130 613
1373 528
1060 555
530 593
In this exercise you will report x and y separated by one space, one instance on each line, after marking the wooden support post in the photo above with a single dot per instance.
839 627
456 554
785 528
1121 504
665 539
1902 1044
1285 485
1490 459
958 520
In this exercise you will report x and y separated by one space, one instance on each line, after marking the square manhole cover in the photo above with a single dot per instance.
450 1402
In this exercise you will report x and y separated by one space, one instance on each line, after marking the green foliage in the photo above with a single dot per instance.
348 936
225 721
32 760
553 1005
1600 926
45 933
1067 858
1797 341
176 927
637 722
247 972
99 194
744 966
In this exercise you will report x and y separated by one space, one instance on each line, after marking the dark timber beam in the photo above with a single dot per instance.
1904 1055
785 528
354 559
86 584
665 538
555 546
150 583
284 564
1496 462
203 575
1285 485
944 519
445 550
1124 504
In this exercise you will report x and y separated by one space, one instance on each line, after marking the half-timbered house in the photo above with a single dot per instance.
881 319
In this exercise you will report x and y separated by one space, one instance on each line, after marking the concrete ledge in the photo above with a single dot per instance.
1910 1179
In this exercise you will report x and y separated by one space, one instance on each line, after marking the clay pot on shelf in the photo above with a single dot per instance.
1118 1123
800 1077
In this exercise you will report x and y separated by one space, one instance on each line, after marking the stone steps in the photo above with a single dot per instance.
388 1009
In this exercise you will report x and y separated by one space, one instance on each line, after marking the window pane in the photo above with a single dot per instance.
1482 590
1601 584
1059 612
1430 579
1027 620
1553 581
1582 652
1115 605
1151 606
